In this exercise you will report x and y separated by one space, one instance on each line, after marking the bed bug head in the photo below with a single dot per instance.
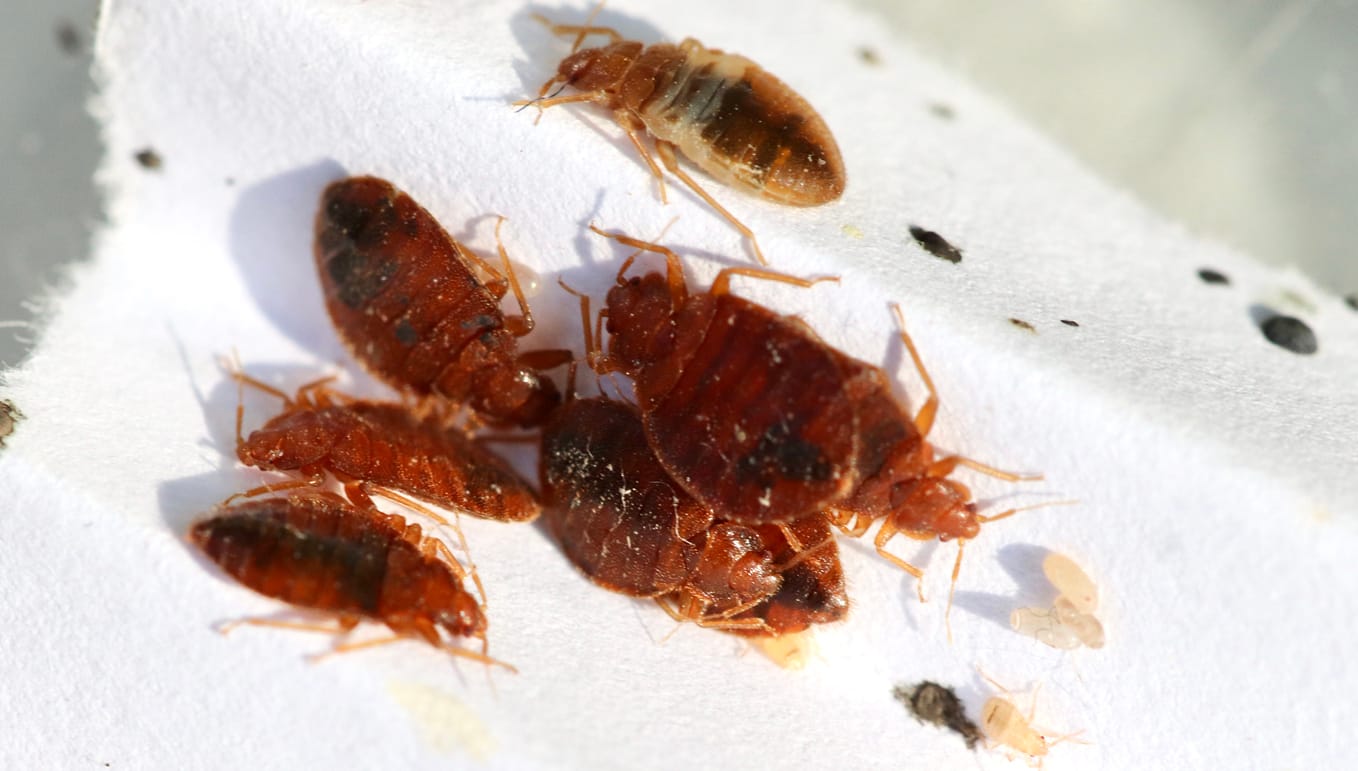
935 505
435 601
518 396
639 310
734 567
289 441
596 69
459 615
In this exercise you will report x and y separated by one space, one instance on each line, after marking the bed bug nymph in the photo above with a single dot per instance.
317 551
726 114
384 448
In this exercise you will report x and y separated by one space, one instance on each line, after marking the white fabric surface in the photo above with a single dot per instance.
1214 470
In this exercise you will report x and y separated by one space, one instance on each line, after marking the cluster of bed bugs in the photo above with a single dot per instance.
716 493
408 300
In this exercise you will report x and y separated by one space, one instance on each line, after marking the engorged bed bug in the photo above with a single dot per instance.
763 422
407 300
384 448
623 522
723 112
316 551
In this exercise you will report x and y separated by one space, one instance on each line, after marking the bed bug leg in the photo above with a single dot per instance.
580 30
273 487
461 571
345 625
884 534
522 324
924 419
632 127
722 283
446 647
674 265
666 152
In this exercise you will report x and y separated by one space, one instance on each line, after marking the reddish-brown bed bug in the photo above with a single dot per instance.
726 114
763 422
625 525
745 408
381 447
317 551
407 300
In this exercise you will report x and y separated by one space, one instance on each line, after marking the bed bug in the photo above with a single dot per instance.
1070 622
1003 724
626 526
383 447
317 551
763 422
407 300
723 112
1060 626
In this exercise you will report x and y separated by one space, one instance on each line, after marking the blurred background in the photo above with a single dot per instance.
1234 117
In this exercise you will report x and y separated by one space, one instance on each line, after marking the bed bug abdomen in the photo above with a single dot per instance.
405 298
317 551
745 127
617 515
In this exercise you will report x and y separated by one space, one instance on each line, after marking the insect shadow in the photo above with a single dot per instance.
270 233
1023 563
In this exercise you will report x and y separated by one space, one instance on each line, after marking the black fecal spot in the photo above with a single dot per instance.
1291 333
930 702
357 278
942 111
149 159
1210 276
1021 324
406 334
1070 323
1352 301
935 244
68 38
780 454
869 56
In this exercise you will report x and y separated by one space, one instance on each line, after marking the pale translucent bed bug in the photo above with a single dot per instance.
1070 622
1004 724
726 114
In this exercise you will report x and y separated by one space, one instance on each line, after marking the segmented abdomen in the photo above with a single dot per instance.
757 426
400 291
739 123
312 551
617 515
